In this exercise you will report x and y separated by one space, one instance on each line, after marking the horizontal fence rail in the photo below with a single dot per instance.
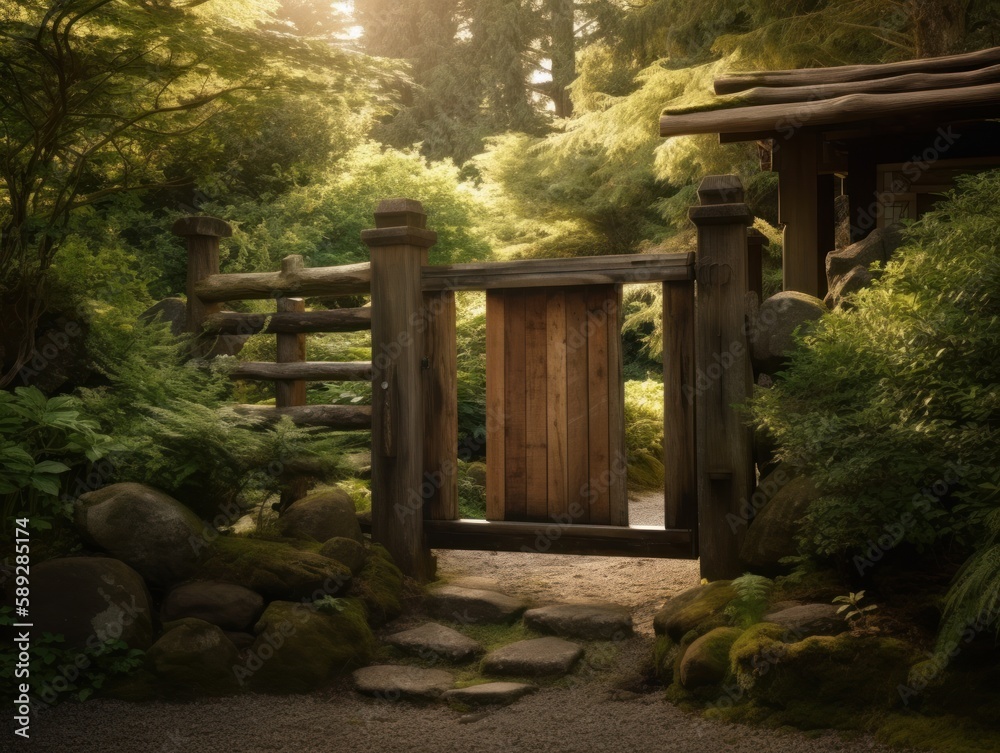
335 320
350 279
537 273
310 371
343 417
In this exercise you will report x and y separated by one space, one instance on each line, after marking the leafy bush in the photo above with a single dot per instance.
644 433
41 441
893 407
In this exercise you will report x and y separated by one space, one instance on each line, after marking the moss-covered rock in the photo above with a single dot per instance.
299 648
380 586
320 517
700 608
771 536
193 658
275 570
822 681
665 656
706 660
347 552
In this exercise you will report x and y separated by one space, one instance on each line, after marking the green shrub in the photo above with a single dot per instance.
42 440
893 406
644 433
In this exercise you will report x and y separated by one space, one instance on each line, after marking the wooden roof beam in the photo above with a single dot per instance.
739 82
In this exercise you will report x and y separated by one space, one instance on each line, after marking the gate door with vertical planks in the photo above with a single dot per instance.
554 393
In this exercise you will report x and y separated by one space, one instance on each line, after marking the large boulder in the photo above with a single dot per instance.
776 322
91 600
347 552
171 311
805 620
706 660
227 605
878 246
274 569
194 657
848 284
321 517
299 648
380 586
145 528
772 533
700 609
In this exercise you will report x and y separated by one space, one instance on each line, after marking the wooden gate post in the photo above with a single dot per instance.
202 235
399 247
723 376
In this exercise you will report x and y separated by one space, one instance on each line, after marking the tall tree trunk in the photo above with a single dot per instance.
563 54
939 26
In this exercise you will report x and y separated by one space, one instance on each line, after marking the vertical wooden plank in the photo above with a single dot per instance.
556 399
290 392
617 458
202 235
515 484
496 410
598 391
291 349
398 250
577 407
536 411
724 458
680 479
826 227
440 395
797 202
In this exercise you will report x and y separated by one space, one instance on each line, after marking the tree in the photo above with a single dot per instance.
93 95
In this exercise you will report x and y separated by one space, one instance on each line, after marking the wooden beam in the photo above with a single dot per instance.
310 371
724 462
738 82
787 118
797 210
397 253
680 471
536 273
343 417
913 82
335 320
202 236
440 397
291 350
553 538
351 279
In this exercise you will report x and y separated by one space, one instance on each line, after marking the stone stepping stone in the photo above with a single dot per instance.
490 693
533 658
589 622
432 641
473 605
391 682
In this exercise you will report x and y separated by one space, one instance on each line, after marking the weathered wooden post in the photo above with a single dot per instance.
756 243
203 236
723 376
291 392
399 247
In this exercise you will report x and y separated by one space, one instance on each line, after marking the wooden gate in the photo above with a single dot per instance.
554 390
556 460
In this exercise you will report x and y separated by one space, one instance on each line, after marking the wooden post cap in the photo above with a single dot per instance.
720 189
721 202
203 226
400 213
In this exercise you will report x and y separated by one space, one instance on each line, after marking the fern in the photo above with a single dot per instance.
751 602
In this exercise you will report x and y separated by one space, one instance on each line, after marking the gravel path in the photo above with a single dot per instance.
602 709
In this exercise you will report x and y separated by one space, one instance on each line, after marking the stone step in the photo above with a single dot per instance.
473 606
490 693
433 641
534 657
390 682
594 621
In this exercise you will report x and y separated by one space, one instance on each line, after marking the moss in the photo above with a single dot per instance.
299 649
665 655
380 586
274 569
701 609
706 660
948 734
822 681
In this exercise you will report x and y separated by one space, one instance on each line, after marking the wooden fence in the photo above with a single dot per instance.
413 371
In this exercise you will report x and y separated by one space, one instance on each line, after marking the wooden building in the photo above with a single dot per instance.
889 138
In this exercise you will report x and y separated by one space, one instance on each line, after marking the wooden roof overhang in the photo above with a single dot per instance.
774 104
818 123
